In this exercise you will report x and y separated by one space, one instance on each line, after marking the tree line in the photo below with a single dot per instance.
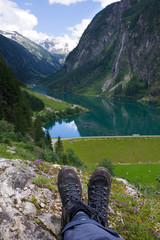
16 107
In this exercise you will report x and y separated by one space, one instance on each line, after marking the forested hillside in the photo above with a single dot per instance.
16 111
13 106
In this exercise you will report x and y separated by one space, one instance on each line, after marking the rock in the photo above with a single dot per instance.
16 226
52 222
130 189
11 151
56 165
4 163
42 205
29 209
111 211
21 201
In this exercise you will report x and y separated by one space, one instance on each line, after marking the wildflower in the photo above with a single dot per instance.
122 203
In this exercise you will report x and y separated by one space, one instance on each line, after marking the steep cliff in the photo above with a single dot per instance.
118 54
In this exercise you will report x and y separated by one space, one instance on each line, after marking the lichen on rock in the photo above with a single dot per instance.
21 202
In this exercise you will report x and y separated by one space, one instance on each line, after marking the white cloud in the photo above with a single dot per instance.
65 2
72 39
12 18
72 125
28 4
78 29
104 3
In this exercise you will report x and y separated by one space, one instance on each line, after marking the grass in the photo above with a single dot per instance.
21 151
138 217
50 102
135 159
144 173
45 182
41 179
121 150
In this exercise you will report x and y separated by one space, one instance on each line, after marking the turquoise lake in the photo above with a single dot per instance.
106 117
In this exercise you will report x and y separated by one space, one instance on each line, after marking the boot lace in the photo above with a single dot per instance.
99 203
74 202
72 192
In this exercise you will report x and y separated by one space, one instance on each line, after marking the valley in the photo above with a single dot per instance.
95 106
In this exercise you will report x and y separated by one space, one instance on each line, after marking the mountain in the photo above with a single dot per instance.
28 60
118 54
59 50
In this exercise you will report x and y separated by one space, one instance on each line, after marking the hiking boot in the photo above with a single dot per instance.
70 190
98 194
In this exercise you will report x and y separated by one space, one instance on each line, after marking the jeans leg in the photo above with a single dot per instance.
69 234
80 216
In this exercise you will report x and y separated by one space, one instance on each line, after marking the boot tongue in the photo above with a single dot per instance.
99 181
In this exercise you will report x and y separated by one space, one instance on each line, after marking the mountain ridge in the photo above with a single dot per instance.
34 47
117 55
29 63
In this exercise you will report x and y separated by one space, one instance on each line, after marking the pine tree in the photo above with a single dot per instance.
38 132
59 146
49 141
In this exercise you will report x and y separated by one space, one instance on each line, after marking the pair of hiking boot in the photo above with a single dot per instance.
70 190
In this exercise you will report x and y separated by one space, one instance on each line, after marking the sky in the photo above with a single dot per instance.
61 20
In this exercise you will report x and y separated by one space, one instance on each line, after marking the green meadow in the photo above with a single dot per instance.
49 102
142 173
119 149
136 159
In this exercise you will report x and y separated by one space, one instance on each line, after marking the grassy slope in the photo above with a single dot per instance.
118 150
122 151
50 102
144 173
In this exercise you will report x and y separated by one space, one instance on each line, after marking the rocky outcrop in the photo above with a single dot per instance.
30 205
26 210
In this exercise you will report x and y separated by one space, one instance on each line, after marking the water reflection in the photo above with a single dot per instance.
63 128
107 118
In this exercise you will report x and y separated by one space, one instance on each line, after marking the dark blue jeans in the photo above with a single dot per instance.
83 228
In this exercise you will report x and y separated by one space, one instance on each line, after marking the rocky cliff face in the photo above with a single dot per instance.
119 50
30 205
101 33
